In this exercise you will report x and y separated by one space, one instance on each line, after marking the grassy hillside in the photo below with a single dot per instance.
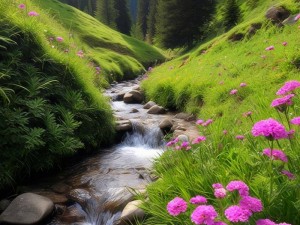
118 55
54 61
232 83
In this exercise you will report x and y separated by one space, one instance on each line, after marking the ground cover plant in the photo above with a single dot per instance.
244 166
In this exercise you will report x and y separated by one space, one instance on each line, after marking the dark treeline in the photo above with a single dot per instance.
167 23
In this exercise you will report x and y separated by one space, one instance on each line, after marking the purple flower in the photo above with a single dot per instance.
199 122
225 132
176 206
233 92
199 139
239 186
282 103
22 6
270 48
197 200
204 214
284 43
243 84
275 154
170 143
33 13
80 54
185 145
97 68
253 204
295 121
220 192
240 137
59 39
265 222
288 87
237 214
269 128
207 122
217 185
219 223
246 114
288 174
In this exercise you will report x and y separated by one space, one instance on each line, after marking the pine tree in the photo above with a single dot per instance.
123 21
105 12
151 20
179 21
141 23
232 14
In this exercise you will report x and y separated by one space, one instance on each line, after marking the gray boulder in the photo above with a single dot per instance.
156 110
183 137
133 97
277 14
123 125
166 125
131 212
149 104
27 208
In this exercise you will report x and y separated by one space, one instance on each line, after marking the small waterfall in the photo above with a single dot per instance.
147 137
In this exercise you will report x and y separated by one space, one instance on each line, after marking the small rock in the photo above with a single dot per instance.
61 188
156 110
183 137
73 214
4 204
134 111
119 96
236 37
123 125
149 104
128 98
185 116
277 14
80 196
166 125
27 208
131 212
133 97
253 28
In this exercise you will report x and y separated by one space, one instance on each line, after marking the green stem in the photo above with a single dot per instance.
271 172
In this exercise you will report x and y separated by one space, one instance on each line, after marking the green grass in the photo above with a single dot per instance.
200 82
117 54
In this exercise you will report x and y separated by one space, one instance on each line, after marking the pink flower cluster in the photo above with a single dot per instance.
197 200
204 214
289 86
240 186
295 121
275 154
184 145
198 139
33 13
204 123
282 103
233 92
269 128
270 48
177 206
219 190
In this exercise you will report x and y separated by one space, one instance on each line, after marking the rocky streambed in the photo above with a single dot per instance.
99 190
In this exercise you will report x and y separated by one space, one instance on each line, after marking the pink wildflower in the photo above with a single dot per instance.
170 143
204 214
253 204
22 6
176 206
297 17
284 43
33 13
233 92
199 139
270 48
220 192
199 122
282 103
288 174
295 121
225 132
269 128
185 145
275 154
288 87
207 122
243 84
80 54
237 214
265 222
240 137
97 68
239 186
59 39
217 185
291 133
197 200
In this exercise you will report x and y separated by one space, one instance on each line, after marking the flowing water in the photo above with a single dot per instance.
107 177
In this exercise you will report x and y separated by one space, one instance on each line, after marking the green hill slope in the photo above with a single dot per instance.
117 54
